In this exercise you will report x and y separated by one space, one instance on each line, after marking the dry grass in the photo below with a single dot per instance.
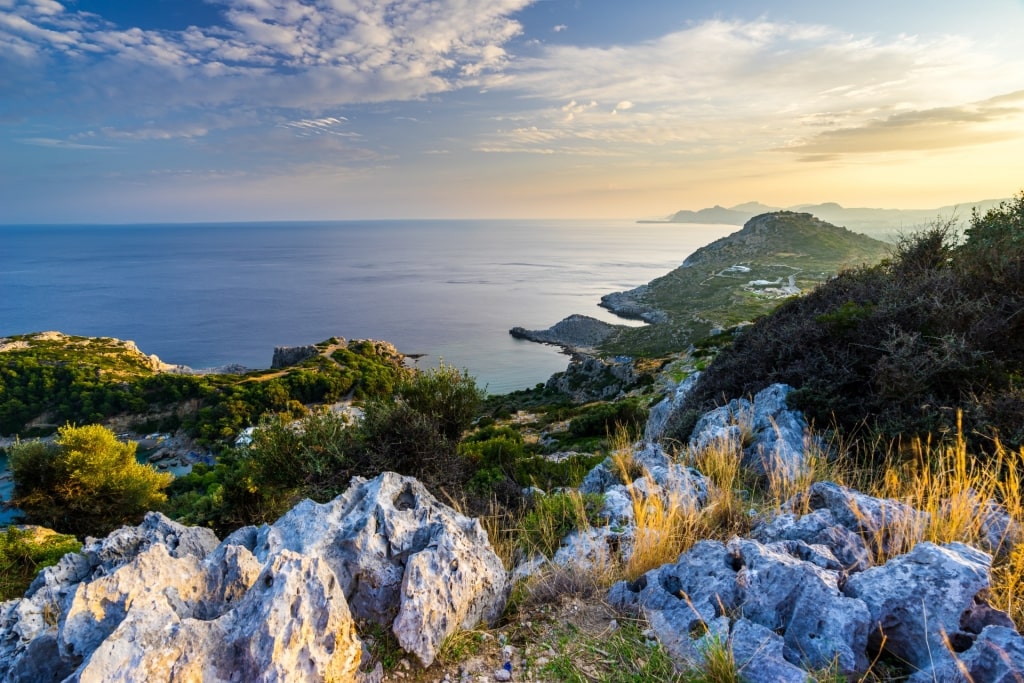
953 488
666 525
725 512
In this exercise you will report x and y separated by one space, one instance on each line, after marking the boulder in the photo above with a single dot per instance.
818 528
273 603
802 601
884 524
792 597
772 437
28 627
758 654
292 624
658 418
927 602
997 656
403 559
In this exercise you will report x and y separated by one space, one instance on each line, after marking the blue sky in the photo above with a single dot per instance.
188 110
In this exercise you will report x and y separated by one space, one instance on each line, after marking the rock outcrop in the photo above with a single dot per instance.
573 333
805 596
286 356
588 378
165 602
630 304
773 438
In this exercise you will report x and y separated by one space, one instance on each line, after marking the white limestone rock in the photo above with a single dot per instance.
403 560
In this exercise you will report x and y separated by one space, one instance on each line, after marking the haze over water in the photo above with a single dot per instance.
211 294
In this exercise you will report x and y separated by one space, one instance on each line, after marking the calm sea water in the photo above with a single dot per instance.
208 295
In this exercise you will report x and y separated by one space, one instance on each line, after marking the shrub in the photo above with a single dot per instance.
604 418
85 482
23 552
450 397
900 347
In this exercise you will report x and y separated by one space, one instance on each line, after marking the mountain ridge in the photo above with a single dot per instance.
876 221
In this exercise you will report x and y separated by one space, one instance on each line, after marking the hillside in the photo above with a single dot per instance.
928 342
736 279
49 378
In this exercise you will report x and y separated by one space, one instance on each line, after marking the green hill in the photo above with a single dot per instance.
930 341
737 279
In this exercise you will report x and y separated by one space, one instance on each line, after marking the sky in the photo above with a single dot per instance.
126 111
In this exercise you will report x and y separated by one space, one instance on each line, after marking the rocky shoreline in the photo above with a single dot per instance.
576 333
629 304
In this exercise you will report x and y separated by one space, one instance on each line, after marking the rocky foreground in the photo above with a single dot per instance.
802 593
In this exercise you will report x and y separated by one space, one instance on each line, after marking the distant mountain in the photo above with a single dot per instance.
885 223
718 215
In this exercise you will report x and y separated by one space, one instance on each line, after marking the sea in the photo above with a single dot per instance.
207 295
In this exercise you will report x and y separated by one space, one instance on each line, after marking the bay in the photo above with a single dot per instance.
207 295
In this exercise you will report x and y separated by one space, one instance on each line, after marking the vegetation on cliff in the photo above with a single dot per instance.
737 279
50 379
902 347
84 482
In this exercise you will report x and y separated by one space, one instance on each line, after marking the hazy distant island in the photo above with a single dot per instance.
883 223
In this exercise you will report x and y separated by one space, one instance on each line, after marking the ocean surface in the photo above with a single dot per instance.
209 295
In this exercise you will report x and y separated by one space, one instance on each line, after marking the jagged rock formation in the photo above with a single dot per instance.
589 378
286 356
772 437
785 604
166 602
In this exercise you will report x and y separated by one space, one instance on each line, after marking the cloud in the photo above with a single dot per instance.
724 86
559 28
328 125
992 120
60 144
268 51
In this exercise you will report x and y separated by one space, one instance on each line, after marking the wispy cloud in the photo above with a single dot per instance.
721 85
272 51
60 144
992 120
328 125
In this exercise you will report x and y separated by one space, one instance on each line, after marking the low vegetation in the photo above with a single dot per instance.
23 552
742 277
49 380
897 350
84 482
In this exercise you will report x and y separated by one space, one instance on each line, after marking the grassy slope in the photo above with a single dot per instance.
699 296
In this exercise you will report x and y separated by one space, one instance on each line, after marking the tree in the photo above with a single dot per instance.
84 482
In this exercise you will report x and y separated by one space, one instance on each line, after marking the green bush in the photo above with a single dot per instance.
85 482
604 418
23 552
899 348
450 397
